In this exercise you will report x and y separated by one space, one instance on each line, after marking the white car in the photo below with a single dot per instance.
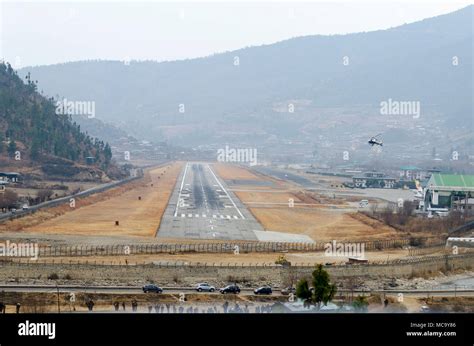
205 287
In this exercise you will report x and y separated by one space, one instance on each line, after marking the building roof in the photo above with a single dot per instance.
373 178
410 168
459 182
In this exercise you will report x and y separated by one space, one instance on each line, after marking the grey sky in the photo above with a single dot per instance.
37 33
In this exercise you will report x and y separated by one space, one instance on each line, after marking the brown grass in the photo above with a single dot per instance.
96 215
320 224
228 172
224 258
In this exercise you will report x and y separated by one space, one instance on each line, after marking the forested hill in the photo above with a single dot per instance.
30 125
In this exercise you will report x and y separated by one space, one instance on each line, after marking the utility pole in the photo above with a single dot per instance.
57 289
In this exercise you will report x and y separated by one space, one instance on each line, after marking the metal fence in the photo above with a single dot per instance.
178 264
227 247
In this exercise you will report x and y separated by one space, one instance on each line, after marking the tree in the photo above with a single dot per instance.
8 199
44 194
35 150
11 148
2 139
302 290
322 291
361 304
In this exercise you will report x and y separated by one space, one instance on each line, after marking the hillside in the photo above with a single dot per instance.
31 131
248 103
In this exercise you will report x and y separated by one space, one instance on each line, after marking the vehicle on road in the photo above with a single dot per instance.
263 290
25 207
205 287
230 289
425 308
152 288
287 290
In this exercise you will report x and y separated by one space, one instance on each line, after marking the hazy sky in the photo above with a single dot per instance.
37 33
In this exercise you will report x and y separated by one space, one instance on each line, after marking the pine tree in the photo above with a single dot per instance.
11 148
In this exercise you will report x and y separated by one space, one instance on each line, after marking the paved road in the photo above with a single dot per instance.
202 207
244 291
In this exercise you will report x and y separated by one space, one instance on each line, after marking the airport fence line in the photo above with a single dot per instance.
180 264
250 247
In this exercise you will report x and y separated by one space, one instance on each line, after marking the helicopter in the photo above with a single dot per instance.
376 141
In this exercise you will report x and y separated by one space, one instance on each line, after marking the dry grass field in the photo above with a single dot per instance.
316 216
228 172
96 215
321 224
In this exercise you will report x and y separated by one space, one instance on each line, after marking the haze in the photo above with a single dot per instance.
54 32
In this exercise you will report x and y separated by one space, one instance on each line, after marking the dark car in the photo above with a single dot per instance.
263 290
286 291
152 288
230 289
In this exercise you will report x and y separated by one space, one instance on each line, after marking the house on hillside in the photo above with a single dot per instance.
11 177
449 191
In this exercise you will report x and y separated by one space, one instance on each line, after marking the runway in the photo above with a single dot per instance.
202 207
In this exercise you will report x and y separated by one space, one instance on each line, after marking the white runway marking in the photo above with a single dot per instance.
223 189
180 190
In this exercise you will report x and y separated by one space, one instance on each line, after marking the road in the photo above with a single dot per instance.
466 292
202 207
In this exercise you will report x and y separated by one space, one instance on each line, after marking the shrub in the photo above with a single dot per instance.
53 276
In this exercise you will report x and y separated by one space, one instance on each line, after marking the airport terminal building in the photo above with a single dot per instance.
449 191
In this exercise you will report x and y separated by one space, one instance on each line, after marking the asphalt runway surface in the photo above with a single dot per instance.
285 175
202 207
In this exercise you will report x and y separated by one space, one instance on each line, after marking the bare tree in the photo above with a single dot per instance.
44 194
8 199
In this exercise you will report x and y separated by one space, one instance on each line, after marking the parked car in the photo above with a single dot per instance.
230 289
286 291
263 290
425 308
205 287
152 288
